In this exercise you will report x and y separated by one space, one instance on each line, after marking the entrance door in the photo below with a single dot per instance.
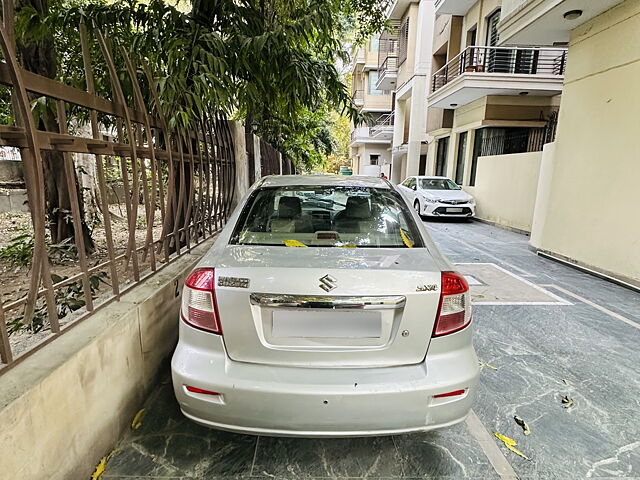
422 169
441 156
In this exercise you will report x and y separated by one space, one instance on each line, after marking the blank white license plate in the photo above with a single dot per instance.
454 210
326 324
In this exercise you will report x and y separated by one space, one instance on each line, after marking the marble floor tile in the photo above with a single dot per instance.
373 457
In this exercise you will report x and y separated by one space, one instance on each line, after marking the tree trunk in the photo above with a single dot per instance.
39 56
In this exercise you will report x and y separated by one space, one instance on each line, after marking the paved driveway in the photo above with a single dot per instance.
542 331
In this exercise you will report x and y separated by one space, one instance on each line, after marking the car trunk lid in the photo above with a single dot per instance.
327 307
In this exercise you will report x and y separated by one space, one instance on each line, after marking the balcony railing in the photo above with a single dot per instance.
388 46
389 66
384 125
508 60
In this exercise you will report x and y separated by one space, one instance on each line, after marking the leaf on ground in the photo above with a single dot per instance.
567 402
482 364
478 296
137 420
100 468
510 443
523 424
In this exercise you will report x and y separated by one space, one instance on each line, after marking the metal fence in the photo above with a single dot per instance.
176 190
501 141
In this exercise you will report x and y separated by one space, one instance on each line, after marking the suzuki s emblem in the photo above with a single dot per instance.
328 283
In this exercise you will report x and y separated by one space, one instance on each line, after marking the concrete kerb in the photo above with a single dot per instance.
65 406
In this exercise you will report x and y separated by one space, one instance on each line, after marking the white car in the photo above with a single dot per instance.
438 197
324 309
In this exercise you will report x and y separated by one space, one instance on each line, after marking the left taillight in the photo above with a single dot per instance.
199 307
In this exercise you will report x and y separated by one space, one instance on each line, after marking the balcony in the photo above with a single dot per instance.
358 98
542 22
380 132
383 129
359 58
480 71
453 7
388 58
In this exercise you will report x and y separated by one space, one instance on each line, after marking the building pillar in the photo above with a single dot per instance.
417 125
452 155
399 113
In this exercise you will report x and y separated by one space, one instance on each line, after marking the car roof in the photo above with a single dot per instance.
432 177
323 180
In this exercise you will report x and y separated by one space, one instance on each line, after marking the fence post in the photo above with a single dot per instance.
257 157
280 161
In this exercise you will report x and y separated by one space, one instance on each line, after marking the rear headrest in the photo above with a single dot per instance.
357 207
289 207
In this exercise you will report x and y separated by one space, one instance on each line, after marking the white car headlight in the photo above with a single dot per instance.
472 201
430 200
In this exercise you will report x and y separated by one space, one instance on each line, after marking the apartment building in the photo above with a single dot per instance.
586 210
492 108
370 148
404 63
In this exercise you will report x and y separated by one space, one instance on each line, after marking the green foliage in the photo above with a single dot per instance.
68 299
269 61
19 251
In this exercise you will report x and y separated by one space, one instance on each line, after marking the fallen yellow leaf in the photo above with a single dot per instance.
137 420
100 468
482 364
510 443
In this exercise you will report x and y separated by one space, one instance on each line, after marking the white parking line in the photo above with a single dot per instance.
523 272
595 305
497 459
559 300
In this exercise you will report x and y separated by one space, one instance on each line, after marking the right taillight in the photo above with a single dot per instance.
453 312
199 307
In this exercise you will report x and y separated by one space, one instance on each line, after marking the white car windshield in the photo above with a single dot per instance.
438 184
308 216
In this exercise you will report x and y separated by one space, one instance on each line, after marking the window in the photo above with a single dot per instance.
326 216
441 156
462 149
498 59
438 184
373 79
409 182
492 29
374 159
374 43
403 41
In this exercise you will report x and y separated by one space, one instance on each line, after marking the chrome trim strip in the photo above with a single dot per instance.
275 300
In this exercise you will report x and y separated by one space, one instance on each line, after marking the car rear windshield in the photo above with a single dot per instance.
438 184
307 216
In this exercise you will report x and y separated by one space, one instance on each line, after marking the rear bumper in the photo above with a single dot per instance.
323 402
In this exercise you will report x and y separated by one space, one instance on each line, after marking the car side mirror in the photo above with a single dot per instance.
413 187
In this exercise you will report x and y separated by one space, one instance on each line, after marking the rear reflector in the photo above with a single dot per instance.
199 307
454 313
200 390
455 393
